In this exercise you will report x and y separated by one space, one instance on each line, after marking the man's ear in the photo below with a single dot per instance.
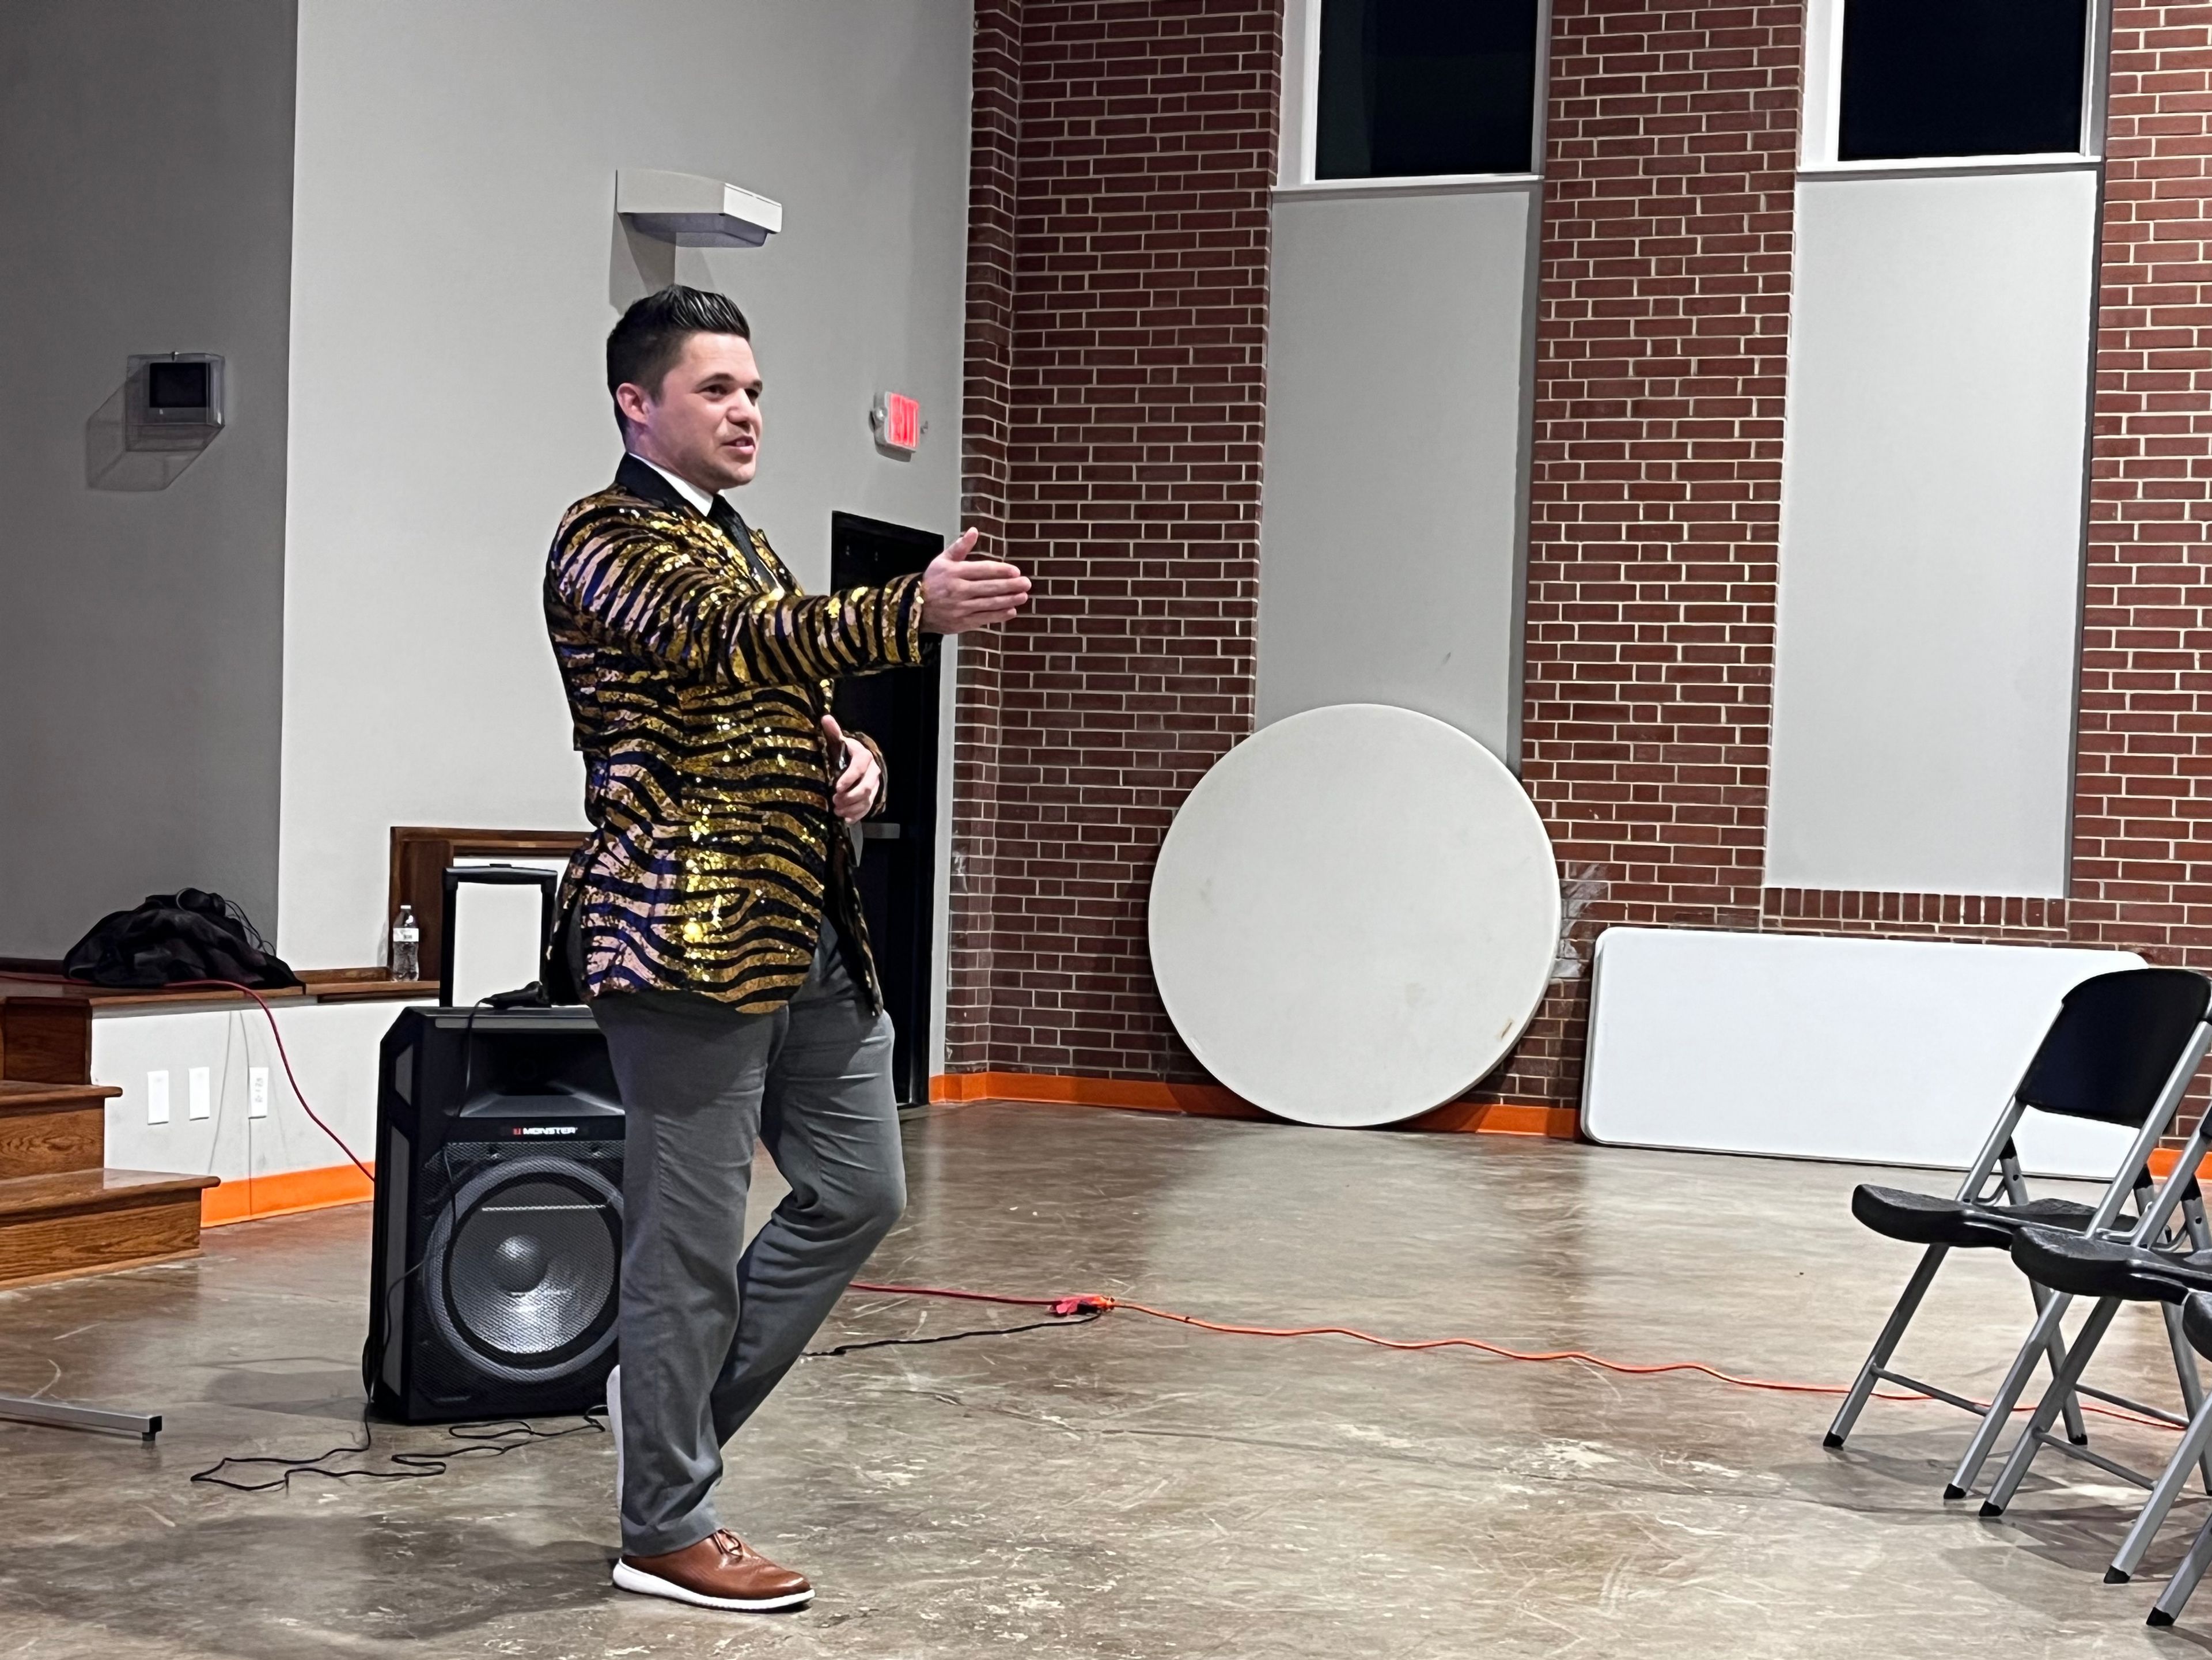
634 402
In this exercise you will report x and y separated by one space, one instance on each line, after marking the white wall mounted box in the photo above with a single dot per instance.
693 212
1813 1046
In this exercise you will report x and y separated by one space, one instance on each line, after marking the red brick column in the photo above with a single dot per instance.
1662 335
2143 804
987 421
1144 152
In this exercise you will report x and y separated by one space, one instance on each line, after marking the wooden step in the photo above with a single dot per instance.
47 1129
57 1226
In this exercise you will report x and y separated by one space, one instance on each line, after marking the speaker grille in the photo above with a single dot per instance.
522 1270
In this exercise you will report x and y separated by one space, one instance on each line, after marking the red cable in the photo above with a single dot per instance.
1088 1302
285 1056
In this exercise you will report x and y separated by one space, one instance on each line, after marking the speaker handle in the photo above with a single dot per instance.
547 882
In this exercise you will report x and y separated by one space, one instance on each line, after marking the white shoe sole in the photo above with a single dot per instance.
648 1584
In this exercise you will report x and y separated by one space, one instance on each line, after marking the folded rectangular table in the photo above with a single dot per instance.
1816 1046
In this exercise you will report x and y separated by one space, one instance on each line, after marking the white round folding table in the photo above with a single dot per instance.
1354 916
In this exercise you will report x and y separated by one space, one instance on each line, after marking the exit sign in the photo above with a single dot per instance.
898 422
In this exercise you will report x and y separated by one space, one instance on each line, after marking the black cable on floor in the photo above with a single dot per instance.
954 1336
494 1438
491 1438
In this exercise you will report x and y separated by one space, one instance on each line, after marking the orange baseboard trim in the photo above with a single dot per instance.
248 1199
1211 1101
2163 1160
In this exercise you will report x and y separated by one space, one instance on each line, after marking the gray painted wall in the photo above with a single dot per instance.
458 264
1391 535
145 206
1931 534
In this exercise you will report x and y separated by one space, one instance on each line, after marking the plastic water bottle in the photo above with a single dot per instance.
406 946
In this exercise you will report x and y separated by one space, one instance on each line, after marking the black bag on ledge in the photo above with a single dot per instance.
191 934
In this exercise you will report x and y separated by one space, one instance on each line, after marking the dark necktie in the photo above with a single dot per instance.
724 518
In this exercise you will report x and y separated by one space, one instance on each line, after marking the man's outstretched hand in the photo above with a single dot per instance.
959 592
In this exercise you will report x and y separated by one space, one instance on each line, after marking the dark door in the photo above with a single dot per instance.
899 710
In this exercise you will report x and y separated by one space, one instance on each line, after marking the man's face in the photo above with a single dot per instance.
703 421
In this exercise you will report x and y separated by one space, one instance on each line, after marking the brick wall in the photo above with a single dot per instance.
1661 336
2142 803
1117 318
1117 326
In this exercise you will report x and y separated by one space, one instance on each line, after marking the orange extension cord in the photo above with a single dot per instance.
1098 1303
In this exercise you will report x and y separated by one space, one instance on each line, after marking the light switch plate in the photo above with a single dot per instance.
157 1098
199 1099
257 1092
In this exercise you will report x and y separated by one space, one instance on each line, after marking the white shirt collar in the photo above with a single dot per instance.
690 492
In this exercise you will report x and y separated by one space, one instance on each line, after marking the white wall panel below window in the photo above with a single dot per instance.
1931 534
1389 543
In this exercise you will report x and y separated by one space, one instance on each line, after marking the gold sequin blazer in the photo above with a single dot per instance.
697 674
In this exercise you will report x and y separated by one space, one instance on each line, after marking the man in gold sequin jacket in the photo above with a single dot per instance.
711 921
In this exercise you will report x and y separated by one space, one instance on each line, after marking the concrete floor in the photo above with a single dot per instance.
1134 1489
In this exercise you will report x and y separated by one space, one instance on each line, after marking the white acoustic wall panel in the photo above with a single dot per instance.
1880 1051
1390 535
1931 534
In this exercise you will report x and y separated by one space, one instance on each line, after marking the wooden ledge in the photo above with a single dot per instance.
318 986
16 982
363 986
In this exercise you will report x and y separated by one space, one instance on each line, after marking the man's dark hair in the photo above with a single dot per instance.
650 337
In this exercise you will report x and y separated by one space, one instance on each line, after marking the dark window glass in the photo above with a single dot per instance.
1961 77
1412 87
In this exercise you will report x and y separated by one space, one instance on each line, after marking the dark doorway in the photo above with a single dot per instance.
899 710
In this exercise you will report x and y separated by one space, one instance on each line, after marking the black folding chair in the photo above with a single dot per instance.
2115 1272
2196 1325
2121 1050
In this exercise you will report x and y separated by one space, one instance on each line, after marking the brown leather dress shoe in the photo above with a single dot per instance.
721 1571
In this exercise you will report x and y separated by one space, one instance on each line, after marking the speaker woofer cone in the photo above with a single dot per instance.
523 1267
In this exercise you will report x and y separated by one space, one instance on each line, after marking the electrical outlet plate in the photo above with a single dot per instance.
157 1098
199 1097
257 1092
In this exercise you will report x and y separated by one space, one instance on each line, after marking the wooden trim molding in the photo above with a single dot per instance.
249 1198
1210 1101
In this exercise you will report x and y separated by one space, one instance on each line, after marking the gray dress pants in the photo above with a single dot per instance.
706 1333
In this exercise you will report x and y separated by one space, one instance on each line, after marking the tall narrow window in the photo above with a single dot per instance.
1961 77
1412 88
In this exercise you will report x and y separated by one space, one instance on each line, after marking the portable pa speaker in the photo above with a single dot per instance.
498 1238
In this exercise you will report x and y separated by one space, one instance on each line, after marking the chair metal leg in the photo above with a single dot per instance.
2171 1480
2175 1596
2184 1369
2015 1187
1885 1346
2193 1223
2039 1422
2034 1350
2076 1431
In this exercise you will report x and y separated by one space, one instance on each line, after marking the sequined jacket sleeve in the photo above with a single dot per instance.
666 600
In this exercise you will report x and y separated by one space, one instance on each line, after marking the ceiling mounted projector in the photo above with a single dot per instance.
695 212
